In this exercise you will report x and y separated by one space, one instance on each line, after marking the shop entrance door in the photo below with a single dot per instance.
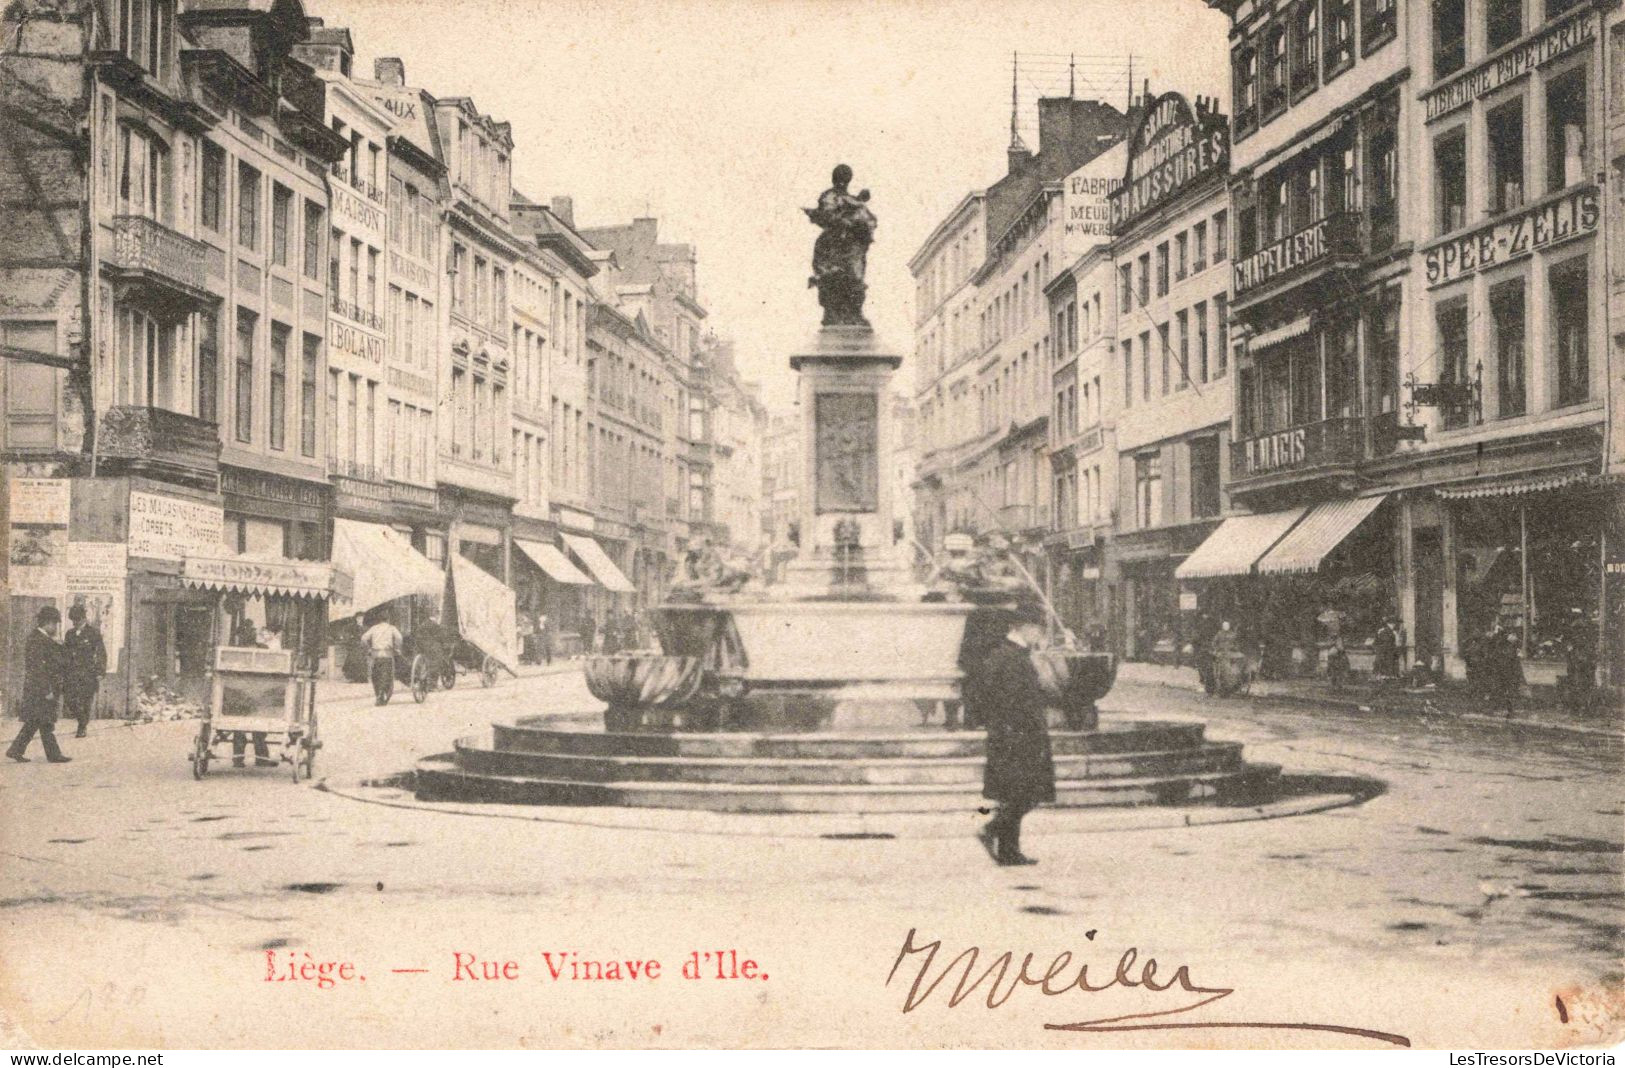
1428 554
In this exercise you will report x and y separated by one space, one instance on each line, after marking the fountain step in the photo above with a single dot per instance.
812 771
441 779
1122 736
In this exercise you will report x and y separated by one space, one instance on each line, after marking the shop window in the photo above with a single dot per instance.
1244 82
1305 47
1503 22
1204 476
1379 23
208 366
310 360
314 217
1148 490
1339 37
1566 148
1449 36
30 388
243 394
212 190
1450 180
1507 313
1275 72
248 206
1451 320
1504 127
281 209
278 399
1570 322
1162 269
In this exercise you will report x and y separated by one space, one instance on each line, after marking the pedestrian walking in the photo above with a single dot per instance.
1020 770
84 664
544 638
1385 651
42 688
382 641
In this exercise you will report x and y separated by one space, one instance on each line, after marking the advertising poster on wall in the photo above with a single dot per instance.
39 536
94 577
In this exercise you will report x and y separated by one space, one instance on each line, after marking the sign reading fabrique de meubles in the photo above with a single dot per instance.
1571 215
1173 146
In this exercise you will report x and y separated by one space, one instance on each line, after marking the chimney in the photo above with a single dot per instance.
389 70
1054 124
565 209
1020 157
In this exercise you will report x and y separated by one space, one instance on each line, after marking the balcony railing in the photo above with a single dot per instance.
351 469
1017 517
360 315
136 437
1321 241
1308 446
147 248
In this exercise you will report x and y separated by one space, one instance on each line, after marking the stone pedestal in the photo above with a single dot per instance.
847 509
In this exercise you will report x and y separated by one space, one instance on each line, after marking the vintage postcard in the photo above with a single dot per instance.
1082 525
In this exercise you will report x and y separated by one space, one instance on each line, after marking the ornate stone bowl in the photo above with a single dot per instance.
1076 680
634 685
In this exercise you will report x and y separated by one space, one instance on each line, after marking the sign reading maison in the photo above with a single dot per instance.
1512 64
1572 215
1173 146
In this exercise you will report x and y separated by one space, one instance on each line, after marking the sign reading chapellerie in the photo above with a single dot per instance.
1172 148
1565 37
1572 215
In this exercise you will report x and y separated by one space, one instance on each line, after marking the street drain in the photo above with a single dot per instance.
68 841
1042 910
857 836
313 888
1560 844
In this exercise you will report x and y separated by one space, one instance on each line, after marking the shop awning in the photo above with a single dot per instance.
1322 530
1265 338
384 564
598 562
552 562
1237 544
259 576
486 615
1512 487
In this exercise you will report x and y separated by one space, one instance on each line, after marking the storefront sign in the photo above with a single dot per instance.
291 577
1086 214
345 339
1173 147
1542 226
352 208
261 486
1308 246
1560 40
94 580
402 269
40 501
1274 452
169 528
1187 600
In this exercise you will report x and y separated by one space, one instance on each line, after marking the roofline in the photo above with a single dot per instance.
926 246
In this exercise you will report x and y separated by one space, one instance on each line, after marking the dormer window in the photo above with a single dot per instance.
146 33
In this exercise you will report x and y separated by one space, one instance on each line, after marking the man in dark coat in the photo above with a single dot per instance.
1020 771
42 688
84 664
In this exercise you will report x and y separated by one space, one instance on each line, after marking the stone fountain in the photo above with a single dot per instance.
836 690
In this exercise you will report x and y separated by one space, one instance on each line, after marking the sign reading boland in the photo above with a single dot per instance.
1173 146
1542 226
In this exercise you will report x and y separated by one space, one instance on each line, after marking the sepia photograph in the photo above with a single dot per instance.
1083 525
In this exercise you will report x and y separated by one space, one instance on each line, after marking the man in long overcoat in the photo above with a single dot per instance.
1020 770
42 688
84 663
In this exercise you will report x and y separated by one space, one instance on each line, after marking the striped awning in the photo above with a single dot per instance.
1322 530
1237 544
259 576
552 562
598 562
1514 487
1286 332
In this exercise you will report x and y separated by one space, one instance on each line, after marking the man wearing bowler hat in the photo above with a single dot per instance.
42 688
1020 771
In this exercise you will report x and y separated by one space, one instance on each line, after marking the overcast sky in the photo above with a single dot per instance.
723 118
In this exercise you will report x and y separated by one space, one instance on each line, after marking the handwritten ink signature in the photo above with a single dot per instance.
1061 976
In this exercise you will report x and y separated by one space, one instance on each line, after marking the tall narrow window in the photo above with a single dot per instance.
243 392
1450 180
1567 151
1128 372
1507 311
314 216
1200 329
1504 127
1571 324
1162 269
310 360
213 186
1145 365
1166 352
1454 360
354 288
1339 37
248 206
1275 70
372 284
1244 83
1182 321
335 268
1305 46
1449 36
208 366
1221 334
1503 22
279 387
281 210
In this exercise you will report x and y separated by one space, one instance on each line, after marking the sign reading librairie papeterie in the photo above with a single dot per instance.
1542 226
171 528
1565 37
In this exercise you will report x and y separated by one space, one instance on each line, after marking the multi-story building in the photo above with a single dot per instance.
163 304
739 423
413 309
782 462
1170 227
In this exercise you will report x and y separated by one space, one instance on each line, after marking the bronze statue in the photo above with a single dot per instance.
841 253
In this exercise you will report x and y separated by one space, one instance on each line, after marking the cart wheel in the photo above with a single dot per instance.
310 760
488 672
420 678
200 758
